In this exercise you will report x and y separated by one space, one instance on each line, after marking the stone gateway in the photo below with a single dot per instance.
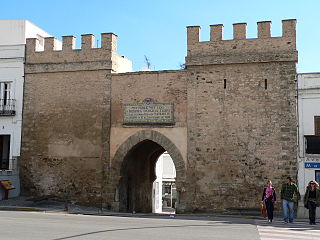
93 130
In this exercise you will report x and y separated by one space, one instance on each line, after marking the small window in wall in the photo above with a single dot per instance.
317 125
317 175
4 151
265 84
312 144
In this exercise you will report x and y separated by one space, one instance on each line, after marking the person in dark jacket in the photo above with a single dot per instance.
289 195
312 200
268 198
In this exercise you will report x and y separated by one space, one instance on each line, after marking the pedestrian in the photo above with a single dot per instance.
312 200
269 198
289 195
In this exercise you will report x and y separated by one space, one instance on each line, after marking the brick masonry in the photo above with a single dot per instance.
234 109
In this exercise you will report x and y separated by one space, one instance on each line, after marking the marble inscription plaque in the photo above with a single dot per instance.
148 114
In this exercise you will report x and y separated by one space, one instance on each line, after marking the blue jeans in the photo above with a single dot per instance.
288 211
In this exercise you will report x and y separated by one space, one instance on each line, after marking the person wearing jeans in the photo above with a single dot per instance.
269 198
288 210
312 200
289 191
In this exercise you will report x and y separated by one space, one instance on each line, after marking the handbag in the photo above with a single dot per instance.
263 210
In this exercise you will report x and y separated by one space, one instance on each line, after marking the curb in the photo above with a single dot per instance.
33 209
30 209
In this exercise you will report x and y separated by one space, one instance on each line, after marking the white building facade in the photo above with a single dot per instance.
12 52
308 133
164 188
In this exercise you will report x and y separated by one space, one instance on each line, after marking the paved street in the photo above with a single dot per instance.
59 226
296 231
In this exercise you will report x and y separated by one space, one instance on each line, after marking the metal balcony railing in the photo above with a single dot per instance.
7 107
312 144
9 164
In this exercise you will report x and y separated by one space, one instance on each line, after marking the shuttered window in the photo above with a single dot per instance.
4 151
317 125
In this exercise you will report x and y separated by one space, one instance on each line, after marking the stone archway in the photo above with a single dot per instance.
134 161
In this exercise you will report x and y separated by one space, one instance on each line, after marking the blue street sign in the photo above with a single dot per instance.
312 165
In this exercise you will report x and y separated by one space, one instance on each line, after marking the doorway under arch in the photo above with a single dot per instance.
164 187
133 169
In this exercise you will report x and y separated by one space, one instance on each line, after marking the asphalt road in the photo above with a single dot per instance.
58 226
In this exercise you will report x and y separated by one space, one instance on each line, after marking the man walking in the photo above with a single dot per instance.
289 194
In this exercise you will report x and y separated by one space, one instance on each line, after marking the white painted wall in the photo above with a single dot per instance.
15 32
12 51
308 107
123 64
168 169
11 70
165 171
12 32
157 187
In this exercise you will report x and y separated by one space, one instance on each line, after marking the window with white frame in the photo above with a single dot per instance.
313 141
7 103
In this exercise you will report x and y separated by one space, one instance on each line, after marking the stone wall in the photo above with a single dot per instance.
241 135
241 115
234 112
62 134
66 118
162 87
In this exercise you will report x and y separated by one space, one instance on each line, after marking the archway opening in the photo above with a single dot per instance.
137 177
133 172
164 187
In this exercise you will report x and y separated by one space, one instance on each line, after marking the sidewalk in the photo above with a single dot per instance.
50 205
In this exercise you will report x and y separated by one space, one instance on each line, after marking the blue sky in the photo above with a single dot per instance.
157 29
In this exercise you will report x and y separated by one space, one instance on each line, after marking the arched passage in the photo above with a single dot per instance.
133 169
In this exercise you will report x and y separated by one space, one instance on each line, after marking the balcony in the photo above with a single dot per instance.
8 165
312 144
7 107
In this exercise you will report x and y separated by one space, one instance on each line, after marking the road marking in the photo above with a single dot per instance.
291 231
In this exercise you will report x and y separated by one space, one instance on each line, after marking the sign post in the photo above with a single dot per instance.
6 185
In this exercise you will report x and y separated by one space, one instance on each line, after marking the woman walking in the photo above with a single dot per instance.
268 198
312 200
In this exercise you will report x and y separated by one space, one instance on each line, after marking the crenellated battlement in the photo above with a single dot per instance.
70 58
108 42
241 49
